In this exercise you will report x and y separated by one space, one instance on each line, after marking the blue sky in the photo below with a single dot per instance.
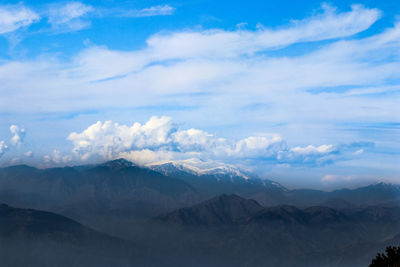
302 92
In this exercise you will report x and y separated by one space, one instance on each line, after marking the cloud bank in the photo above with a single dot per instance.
161 140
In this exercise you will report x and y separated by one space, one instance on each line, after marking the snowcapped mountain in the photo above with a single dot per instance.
174 167
219 173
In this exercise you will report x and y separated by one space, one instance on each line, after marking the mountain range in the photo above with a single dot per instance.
173 214
286 235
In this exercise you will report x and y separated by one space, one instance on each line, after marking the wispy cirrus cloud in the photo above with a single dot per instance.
159 10
68 16
14 17
222 61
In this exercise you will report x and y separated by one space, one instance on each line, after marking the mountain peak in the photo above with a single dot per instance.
199 168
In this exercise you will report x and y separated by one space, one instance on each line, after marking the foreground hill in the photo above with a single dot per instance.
37 238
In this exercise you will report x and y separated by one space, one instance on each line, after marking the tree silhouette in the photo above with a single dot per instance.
390 259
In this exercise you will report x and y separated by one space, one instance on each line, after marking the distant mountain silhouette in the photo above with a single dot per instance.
221 210
375 194
286 235
232 209
337 203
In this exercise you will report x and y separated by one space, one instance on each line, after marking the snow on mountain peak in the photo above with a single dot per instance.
199 167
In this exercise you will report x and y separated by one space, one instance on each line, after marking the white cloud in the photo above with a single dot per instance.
160 10
219 43
193 140
310 150
68 16
333 178
260 146
14 17
18 135
3 148
329 178
323 154
146 156
57 158
109 139
241 25
29 154
211 60
159 140
359 152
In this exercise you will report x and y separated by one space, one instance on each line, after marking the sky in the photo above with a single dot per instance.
306 93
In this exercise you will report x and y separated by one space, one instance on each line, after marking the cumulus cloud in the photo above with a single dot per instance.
260 146
147 156
18 135
68 16
3 148
57 158
108 138
194 140
14 17
312 150
323 154
160 140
